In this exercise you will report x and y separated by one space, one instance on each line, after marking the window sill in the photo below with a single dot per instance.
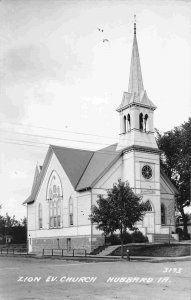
59 227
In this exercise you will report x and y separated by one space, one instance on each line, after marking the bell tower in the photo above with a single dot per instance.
140 162
136 109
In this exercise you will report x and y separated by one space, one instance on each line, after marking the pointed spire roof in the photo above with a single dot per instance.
135 78
136 93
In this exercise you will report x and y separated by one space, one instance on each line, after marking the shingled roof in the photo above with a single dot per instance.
136 93
82 167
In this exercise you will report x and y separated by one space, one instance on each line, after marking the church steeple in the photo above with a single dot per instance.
135 78
136 109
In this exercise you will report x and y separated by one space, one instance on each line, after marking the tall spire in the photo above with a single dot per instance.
135 78
135 24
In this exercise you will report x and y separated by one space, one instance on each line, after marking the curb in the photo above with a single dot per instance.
104 258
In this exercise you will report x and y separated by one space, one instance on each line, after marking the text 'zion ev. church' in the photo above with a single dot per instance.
70 180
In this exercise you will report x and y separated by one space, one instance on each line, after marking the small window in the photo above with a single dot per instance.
163 217
145 122
147 172
125 124
71 221
128 122
141 121
149 207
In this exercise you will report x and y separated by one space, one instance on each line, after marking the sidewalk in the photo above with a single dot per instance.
95 258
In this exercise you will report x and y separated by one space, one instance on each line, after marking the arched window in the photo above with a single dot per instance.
141 121
145 122
163 217
71 221
128 122
54 196
149 206
40 215
124 124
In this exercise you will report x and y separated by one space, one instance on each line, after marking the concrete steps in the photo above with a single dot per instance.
163 238
108 250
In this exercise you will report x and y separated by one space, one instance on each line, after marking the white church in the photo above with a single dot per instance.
70 180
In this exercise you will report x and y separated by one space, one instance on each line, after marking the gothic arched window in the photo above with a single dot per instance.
124 124
145 122
40 215
163 217
128 122
71 219
141 121
149 206
54 196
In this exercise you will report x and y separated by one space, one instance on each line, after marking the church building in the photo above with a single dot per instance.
70 180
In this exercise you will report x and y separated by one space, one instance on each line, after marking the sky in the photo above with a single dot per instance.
61 84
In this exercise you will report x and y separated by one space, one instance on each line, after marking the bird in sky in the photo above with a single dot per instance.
100 29
105 40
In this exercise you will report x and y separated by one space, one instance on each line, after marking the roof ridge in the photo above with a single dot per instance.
63 147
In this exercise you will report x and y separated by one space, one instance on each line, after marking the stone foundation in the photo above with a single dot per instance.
83 242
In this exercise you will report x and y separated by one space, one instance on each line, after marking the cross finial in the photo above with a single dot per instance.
134 24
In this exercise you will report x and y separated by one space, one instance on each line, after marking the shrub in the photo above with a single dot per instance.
127 238
135 237
180 233
113 239
138 237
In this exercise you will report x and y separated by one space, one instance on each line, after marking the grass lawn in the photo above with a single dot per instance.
156 250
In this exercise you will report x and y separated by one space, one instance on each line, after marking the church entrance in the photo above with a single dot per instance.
148 221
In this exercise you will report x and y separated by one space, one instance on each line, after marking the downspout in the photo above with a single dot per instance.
27 237
91 221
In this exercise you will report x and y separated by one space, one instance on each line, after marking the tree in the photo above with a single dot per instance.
176 162
120 210
11 226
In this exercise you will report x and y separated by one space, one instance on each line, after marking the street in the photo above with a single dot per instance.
30 278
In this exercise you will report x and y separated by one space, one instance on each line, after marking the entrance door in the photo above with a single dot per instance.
148 221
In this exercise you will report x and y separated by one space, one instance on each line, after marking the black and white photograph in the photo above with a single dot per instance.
95 149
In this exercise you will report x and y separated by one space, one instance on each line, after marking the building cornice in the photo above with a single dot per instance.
141 149
120 109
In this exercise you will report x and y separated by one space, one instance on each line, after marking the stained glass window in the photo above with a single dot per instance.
54 197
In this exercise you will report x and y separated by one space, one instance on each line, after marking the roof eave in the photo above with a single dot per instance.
169 181
119 109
